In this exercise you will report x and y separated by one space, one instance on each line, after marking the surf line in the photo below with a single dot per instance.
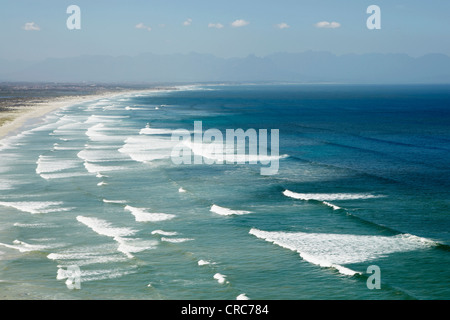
210 147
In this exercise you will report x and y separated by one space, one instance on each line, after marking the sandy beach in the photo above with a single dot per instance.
13 119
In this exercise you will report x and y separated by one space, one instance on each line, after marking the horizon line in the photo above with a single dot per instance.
234 57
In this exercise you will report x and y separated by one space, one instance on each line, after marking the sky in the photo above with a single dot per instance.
36 29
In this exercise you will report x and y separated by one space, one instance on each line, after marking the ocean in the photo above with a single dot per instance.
93 206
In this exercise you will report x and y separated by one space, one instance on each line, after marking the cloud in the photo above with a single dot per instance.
188 22
215 25
239 23
282 25
327 25
143 26
31 26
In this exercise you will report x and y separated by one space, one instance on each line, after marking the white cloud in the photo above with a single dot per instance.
282 25
328 25
188 22
215 25
239 23
143 26
31 26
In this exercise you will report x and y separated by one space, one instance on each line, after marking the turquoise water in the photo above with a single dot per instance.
362 180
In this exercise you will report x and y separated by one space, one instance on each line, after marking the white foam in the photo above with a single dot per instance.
220 278
192 87
176 240
24 247
104 228
99 175
331 205
71 255
101 147
94 275
418 240
226 211
141 215
94 133
88 255
59 148
95 168
85 259
130 246
242 296
100 154
46 240
4 145
336 250
70 129
103 183
165 233
6 184
33 225
49 164
329 196
147 148
221 153
181 190
71 126
36 207
109 108
98 275
204 262
100 133
150 131
13 142
101 118
51 124
62 175
115 201
127 246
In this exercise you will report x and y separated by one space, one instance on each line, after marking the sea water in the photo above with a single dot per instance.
363 180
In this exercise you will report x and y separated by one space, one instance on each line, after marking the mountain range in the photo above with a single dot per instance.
306 67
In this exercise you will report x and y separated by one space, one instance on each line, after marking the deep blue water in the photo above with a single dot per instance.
362 180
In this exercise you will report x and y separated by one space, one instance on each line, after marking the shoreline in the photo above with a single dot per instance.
12 121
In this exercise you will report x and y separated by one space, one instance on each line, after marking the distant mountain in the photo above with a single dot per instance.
309 66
